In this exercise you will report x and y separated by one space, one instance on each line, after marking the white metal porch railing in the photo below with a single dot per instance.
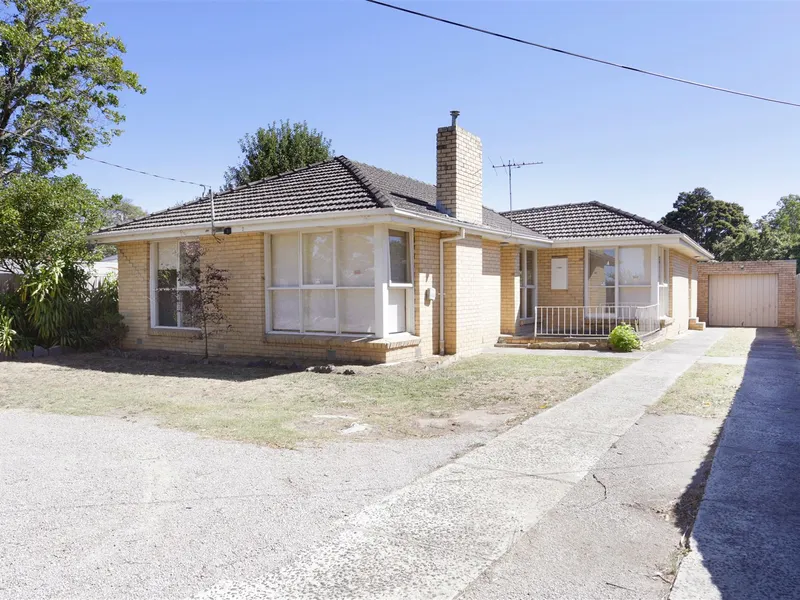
594 321
663 299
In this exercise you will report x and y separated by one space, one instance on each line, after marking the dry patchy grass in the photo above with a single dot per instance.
659 345
737 342
703 391
279 408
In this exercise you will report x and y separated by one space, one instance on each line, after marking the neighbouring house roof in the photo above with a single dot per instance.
334 185
586 220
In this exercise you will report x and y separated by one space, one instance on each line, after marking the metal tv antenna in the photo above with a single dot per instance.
510 166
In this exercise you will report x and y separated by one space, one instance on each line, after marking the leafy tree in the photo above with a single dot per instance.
43 220
706 220
121 210
211 285
753 243
118 211
785 223
279 148
60 77
775 236
786 217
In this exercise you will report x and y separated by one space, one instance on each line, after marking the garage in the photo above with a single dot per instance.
743 300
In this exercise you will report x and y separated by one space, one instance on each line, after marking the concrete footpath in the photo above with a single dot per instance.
435 537
746 539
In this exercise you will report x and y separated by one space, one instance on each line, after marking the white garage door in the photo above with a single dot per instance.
743 300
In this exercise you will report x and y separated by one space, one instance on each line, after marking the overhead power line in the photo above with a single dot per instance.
105 162
581 56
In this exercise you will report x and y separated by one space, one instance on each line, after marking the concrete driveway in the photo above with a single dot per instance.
574 503
746 540
94 507
565 504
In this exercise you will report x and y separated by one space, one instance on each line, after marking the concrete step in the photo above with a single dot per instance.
555 345
696 325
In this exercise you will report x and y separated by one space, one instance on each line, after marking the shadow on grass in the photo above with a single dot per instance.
173 366
748 526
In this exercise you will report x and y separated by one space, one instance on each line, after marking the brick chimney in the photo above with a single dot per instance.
459 172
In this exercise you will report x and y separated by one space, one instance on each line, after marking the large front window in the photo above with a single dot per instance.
322 281
618 277
176 298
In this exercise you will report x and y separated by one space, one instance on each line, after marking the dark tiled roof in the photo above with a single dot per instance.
334 185
319 188
416 196
586 220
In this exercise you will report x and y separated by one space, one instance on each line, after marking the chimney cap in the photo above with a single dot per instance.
454 114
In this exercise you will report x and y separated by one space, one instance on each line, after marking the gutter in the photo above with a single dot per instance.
634 240
462 234
329 219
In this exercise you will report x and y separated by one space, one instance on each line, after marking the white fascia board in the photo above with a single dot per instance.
316 220
697 249
678 241
310 221
593 242
445 224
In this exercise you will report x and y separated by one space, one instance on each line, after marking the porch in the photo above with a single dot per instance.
586 293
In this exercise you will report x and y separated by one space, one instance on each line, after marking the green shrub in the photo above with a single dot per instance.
56 305
107 327
624 338
7 333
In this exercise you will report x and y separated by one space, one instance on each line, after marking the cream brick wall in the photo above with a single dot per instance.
459 173
491 290
509 289
573 295
242 255
476 274
426 276
784 269
463 267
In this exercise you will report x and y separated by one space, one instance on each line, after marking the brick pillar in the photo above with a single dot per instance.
426 272
509 289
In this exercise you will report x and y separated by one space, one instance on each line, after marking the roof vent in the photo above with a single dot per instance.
454 114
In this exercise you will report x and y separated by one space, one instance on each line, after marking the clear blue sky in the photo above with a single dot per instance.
379 83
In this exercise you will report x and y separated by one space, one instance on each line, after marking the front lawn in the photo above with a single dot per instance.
703 391
279 408
737 342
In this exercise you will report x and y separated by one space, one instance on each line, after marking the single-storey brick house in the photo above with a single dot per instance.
344 261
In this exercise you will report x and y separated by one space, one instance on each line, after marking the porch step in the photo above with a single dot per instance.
540 344
696 325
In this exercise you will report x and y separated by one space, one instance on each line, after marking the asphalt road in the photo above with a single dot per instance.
94 507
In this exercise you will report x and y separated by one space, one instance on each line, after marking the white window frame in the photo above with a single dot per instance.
617 284
382 276
154 289
525 312
409 287
663 279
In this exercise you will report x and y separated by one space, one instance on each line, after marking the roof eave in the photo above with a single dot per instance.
242 225
492 233
313 220
680 239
